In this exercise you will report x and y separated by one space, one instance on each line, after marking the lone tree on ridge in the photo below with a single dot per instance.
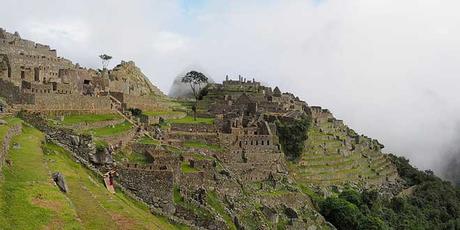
196 80
105 60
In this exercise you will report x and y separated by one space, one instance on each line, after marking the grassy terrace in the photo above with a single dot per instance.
139 158
89 118
191 120
148 141
112 130
4 128
162 113
320 168
30 200
201 145
186 168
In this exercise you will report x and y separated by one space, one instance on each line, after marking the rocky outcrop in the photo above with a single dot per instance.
126 77
58 178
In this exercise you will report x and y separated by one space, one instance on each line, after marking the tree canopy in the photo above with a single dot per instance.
105 60
196 80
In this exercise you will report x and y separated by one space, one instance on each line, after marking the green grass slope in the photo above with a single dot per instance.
29 199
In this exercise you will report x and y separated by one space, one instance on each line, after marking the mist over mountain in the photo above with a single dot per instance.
451 162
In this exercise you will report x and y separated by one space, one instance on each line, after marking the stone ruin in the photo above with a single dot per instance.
31 75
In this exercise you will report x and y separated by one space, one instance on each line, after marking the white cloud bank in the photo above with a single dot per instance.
389 68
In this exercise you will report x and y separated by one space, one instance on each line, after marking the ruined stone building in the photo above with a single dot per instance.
31 74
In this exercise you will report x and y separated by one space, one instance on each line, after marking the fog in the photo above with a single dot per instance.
388 68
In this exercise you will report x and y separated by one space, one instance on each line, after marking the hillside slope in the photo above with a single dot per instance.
335 155
29 199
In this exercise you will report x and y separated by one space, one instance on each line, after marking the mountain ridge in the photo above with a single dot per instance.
251 157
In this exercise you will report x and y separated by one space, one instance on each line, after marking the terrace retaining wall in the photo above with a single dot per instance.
6 141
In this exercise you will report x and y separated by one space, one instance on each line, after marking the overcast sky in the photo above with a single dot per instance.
389 68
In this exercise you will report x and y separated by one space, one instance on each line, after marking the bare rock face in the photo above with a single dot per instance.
126 77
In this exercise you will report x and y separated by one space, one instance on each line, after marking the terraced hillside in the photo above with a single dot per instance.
29 199
335 155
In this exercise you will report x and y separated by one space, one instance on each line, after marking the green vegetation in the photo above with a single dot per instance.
191 120
292 135
434 204
148 141
127 155
29 200
213 200
176 195
325 161
183 105
112 130
341 213
201 145
195 80
89 118
186 168
11 122
140 158
163 113
100 144
135 112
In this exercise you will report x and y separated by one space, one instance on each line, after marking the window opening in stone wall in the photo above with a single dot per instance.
37 74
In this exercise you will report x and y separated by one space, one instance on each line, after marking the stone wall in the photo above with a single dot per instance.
155 119
144 148
68 102
13 94
258 142
80 144
208 138
154 187
145 103
193 180
95 125
5 141
253 171
124 137
215 223
202 128
320 115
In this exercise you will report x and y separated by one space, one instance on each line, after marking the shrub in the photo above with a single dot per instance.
135 112
292 135
352 196
341 213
